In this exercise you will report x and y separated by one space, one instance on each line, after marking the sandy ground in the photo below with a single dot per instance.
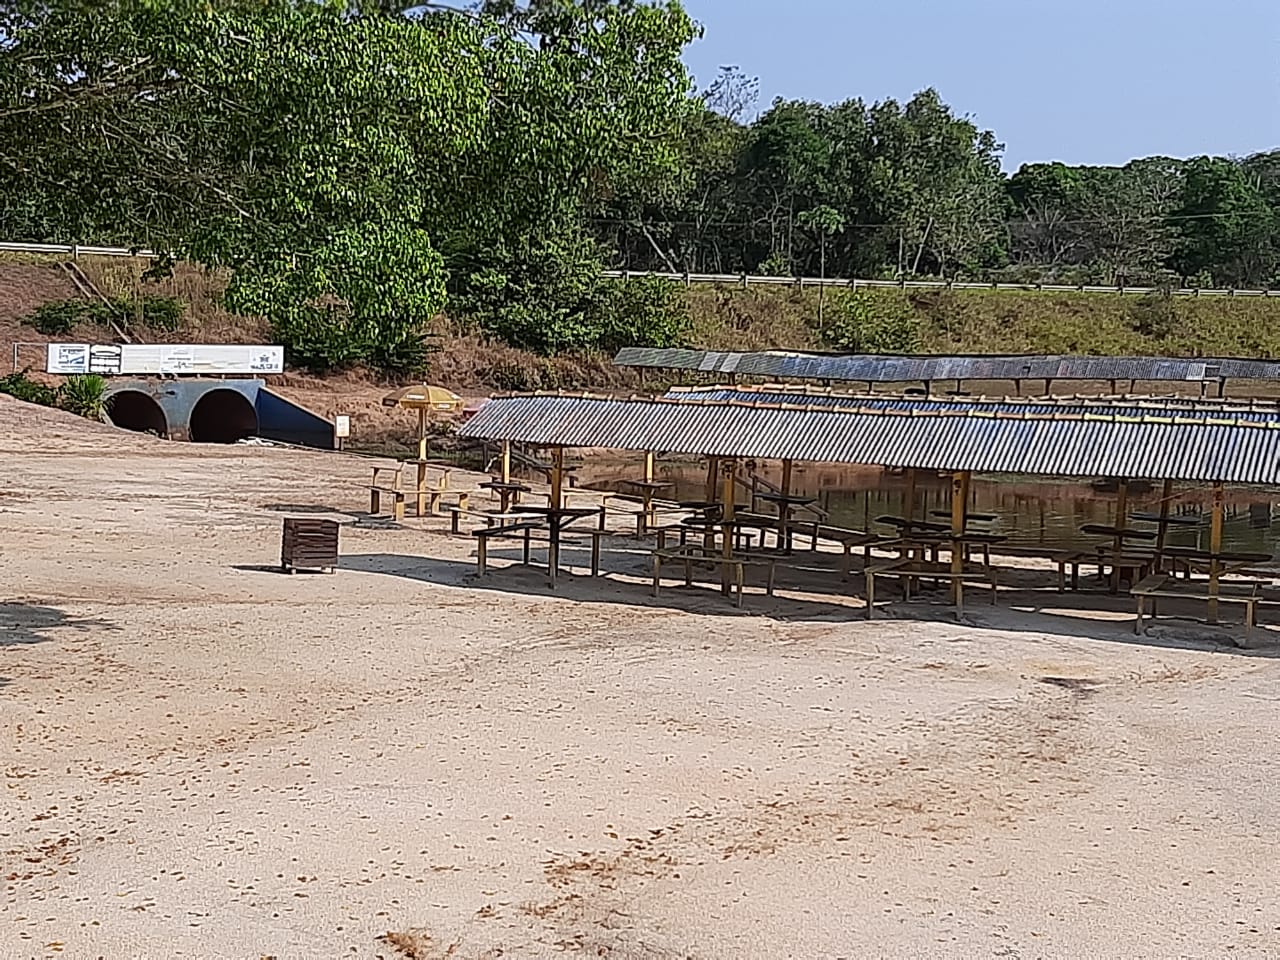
205 758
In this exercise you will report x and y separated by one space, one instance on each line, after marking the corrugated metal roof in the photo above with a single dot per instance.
1059 444
1213 409
905 369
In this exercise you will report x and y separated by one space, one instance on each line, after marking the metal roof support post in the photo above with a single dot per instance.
1166 496
506 461
959 507
651 516
727 470
1122 509
784 511
712 470
1215 548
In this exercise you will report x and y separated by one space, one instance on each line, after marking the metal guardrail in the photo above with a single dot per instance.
746 280
74 250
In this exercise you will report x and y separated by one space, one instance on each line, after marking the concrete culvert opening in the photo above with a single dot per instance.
223 416
135 410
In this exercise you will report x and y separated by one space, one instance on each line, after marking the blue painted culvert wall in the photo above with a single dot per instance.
214 411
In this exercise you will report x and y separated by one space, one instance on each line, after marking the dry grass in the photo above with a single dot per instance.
723 318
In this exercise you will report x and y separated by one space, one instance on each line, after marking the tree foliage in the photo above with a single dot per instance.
359 166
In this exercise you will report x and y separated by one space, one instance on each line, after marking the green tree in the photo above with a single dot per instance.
825 222
1225 224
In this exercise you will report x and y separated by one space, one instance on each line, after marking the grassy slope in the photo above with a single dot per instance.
723 318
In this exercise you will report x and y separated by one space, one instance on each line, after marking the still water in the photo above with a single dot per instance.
1037 511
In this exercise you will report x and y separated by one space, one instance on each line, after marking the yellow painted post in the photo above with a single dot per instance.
420 486
959 504
422 433
727 469
648 466
1215 548
506 461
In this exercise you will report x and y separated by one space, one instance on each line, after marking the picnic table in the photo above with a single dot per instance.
934 540
905 526
908 571
556 519
648 491
1192 521
1122 557
691 555
1120 533
508 491
1190 558
968 517
786 504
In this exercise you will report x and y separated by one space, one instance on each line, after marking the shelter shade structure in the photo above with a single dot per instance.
1170 443
426 400
1204 372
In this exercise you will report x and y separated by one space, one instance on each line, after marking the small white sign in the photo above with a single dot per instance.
342 426
68 358
105 360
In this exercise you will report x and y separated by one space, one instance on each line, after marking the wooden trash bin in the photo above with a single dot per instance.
309 544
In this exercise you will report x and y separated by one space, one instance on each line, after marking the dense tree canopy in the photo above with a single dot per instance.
357 164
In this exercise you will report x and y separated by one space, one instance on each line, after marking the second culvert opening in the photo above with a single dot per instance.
223 416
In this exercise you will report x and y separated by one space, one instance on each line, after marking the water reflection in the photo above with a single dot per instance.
1030 511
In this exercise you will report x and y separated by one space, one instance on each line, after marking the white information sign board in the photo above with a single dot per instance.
142 359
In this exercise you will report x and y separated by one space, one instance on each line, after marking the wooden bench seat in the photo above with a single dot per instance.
378 491
692 555
909 571
1157 585
485 534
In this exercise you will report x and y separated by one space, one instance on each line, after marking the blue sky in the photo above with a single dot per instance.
1084 81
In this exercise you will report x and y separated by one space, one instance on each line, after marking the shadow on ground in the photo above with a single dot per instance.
26 623
1030 605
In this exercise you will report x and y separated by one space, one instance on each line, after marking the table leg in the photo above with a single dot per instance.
871 596
657 572
1137 624
595 556
959 598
